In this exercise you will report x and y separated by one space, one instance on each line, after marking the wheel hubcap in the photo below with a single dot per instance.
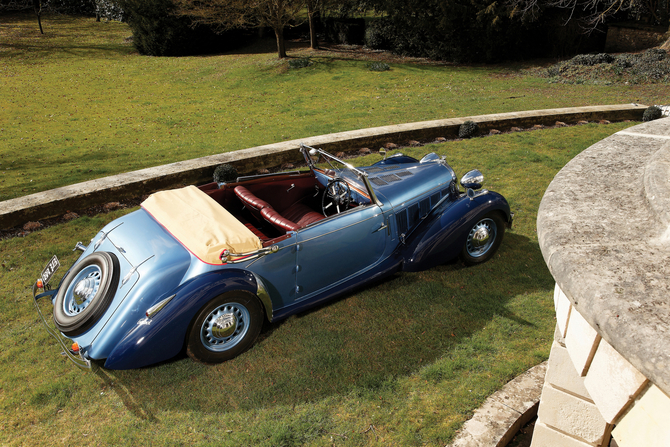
224 327
82 291
481 238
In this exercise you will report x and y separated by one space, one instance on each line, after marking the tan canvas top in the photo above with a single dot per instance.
203 226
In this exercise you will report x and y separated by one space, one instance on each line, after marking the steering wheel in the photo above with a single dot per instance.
337 193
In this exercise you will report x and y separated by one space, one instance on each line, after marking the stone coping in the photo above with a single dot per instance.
505 412
57 202
604 231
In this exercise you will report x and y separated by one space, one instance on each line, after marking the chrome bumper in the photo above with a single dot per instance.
77 358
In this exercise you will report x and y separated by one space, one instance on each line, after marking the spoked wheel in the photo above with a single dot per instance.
227 326
483 239
336 197
86 293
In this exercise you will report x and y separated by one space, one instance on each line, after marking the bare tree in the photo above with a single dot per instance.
312 7
231 14
592 13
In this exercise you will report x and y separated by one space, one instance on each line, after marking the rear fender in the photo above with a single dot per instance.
442 234
162 337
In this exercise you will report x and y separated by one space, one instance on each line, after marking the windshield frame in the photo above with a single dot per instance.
308 152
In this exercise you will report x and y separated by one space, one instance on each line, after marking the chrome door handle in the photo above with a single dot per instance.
383 227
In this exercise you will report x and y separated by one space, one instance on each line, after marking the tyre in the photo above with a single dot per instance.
483 239
226 327
86 293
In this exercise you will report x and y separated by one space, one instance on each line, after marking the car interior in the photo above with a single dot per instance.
270 206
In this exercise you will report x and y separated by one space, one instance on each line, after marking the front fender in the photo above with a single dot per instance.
162 337
441 236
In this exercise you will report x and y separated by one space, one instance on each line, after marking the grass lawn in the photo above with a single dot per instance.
405 362
402 363
79 103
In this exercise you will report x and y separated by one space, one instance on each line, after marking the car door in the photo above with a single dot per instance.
339 248
277 271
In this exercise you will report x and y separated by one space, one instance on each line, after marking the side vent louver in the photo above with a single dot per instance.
424 207
401 222
413 215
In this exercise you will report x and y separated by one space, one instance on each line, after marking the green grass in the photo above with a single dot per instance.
78 102
404 362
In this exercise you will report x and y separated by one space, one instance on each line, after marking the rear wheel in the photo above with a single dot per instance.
226 327
86 293
483 239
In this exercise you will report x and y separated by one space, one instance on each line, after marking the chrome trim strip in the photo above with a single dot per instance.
340 228
104 236
251 177
264 296
153 310
132 271
78 360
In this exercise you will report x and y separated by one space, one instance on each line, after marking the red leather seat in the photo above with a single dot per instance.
302 215
297 216
250 201
278 220
293 218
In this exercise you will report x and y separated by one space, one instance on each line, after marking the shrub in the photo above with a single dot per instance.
157 31
592 59
379 34
654 54
225 173
378 66
652 113
468 129
346 31
652 66
299 63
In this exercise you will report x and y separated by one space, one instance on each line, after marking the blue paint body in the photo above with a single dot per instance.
415 219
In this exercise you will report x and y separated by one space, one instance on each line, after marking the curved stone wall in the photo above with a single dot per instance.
604 230
58 201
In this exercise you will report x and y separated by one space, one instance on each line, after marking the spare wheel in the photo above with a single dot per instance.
86 293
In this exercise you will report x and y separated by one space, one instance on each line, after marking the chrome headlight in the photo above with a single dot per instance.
472 180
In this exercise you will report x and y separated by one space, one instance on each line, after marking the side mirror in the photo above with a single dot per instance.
472 180
383 152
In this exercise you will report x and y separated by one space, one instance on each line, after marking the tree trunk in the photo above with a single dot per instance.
281 45
313 41
666 45
37 7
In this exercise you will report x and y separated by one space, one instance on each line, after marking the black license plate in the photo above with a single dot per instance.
50 269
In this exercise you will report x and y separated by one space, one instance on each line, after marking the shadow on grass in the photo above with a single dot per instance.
354 344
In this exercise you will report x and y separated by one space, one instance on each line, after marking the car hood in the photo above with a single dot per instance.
401 183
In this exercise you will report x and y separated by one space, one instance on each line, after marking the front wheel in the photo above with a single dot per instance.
226 327
483 239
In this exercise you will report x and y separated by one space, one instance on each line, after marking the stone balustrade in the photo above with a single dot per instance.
604 230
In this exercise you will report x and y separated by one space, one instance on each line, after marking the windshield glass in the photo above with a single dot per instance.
331 167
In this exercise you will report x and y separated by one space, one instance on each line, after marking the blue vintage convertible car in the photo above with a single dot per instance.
202 268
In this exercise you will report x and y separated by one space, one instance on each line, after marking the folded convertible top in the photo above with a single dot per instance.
200 224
